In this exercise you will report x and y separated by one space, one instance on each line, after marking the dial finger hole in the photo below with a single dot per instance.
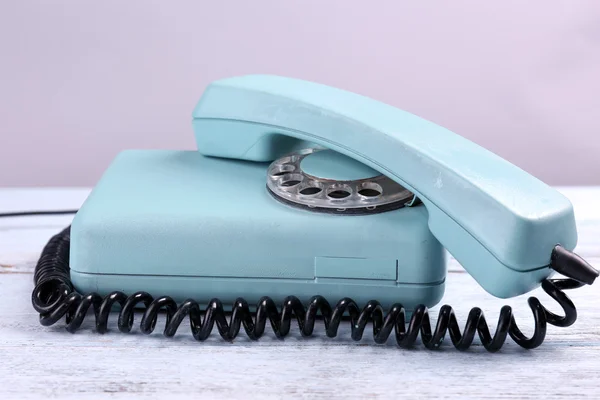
291 180
370 190
311 188
338 192
310 191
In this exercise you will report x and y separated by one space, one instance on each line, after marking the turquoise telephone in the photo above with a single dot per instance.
301 195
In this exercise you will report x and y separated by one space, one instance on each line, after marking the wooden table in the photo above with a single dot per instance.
39 362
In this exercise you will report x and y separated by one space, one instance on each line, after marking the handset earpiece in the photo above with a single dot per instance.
499 222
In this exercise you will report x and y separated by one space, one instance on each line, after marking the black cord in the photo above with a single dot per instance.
32 213
54 297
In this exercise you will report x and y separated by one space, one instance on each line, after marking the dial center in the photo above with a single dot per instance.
329 164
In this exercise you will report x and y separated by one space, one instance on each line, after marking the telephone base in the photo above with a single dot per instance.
182 224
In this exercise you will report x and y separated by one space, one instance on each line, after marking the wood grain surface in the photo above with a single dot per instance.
39 362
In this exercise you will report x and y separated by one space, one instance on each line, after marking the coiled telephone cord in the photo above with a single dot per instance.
54 297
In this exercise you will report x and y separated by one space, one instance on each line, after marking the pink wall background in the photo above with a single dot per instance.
82 80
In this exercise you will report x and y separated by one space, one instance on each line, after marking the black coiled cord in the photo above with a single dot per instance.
54 297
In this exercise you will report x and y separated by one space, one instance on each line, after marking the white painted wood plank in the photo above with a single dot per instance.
39 362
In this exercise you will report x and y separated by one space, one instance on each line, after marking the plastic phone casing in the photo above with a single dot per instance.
191 226
194 225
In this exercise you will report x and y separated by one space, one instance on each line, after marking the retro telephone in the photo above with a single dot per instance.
300 195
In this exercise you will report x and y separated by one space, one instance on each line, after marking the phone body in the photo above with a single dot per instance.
200 227
203 224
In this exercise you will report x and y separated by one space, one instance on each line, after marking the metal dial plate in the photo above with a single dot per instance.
287 182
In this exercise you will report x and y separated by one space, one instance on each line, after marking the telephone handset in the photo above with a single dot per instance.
299 195
498 221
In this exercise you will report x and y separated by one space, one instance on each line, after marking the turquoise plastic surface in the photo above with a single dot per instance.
498 221
181 224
